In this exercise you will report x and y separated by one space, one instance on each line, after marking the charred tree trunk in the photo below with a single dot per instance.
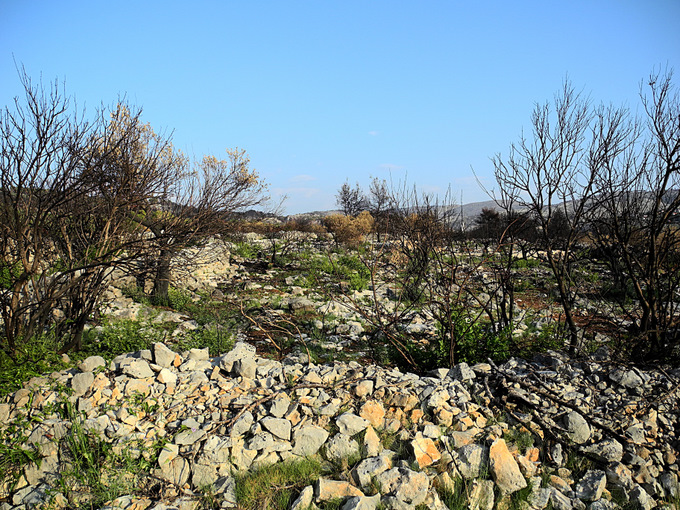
161 284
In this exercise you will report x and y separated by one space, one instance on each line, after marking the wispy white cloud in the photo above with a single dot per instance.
374 133
297 192
302 178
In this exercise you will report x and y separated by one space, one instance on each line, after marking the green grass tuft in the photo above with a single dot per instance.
275 486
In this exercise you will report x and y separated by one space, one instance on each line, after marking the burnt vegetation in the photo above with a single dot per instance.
580 249
81 198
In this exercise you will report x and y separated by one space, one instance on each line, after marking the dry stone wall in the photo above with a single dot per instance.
236 412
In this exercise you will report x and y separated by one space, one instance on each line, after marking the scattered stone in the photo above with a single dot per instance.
236 412
308 439
370 468
371 445
626 378
280 427
470 458
351 424
363 388
305 500
504 469
424 451
640 497
481 496
176 471
362 503
577 427
165 357
462 372
374 412
81 383
138 368
591 486
92 363
402 486
241 350
341 447
608 450
166 376
327 490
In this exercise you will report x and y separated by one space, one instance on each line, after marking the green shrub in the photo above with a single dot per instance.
525 263
217 338
37 357
246 250
8 274
98 471
119 337
179 299
137 295
14 456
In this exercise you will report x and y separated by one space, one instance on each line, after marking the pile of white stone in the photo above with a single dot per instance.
392 437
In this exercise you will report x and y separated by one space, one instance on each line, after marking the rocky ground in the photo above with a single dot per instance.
393 437
550 432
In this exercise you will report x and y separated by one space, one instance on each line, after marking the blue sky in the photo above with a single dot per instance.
322 91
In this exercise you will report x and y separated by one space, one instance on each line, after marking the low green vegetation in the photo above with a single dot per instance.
245 250
95 470
276 486
36 358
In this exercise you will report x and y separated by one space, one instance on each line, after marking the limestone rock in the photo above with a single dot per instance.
91 363
640 497
470 461
626 378
362 503
481 496
241 350
81 383
167 376
163 356
403 486
351 424
305 500
308 439
280 427
608 450
504 468
577 427
374 412
341 447
591 486
139 369
424 450
177 471
369 468
462 372
371 445
326 490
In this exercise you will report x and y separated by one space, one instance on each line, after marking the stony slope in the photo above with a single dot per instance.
516 433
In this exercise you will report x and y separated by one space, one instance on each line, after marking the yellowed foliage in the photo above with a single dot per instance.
348 230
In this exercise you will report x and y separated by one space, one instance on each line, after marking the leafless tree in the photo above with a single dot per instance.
197 206
379 205
351 200
547 175
80 199
40 153
65 213
637 162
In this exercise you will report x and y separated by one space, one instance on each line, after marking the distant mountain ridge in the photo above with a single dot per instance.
473 209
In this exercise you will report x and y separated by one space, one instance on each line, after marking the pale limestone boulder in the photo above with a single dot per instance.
504 468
